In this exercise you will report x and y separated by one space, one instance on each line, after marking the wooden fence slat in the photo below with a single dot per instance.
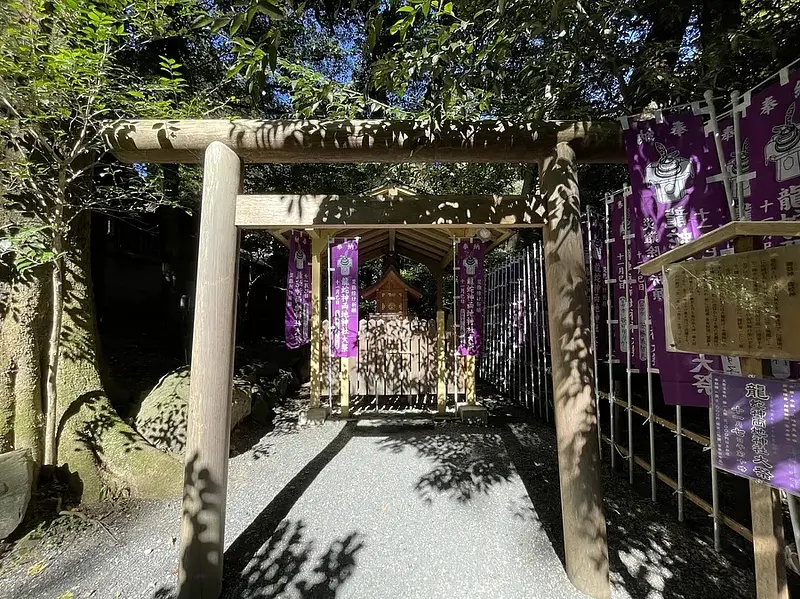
396 358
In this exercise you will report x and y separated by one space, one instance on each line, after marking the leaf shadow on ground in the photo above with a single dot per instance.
270 557
650 553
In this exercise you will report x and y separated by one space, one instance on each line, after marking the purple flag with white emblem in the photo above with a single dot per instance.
756 423
471 253
771 126
298 291
670 164
344 307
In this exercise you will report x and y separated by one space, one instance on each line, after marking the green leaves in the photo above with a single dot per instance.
28 247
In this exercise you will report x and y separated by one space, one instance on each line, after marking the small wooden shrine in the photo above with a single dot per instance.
391 293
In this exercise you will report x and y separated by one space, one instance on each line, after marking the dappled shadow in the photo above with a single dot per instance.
650 553
289 563
396 367
247 570
466 463
485 141
573 372
243 550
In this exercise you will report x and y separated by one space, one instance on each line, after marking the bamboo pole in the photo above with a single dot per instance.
585 545
208 435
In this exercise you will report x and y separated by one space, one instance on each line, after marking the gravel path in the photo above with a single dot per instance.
394 508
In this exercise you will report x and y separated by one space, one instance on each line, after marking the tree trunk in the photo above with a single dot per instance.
22 339
105 456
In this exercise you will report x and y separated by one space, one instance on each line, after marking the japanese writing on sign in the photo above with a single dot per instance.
345 296
297 318
471 281
756 425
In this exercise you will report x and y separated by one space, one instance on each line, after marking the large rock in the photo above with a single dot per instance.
161 418
16 482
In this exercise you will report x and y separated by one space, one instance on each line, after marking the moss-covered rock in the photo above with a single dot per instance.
161 418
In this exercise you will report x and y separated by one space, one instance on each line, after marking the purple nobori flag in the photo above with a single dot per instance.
345 296
298 291
622 309
673 201
756 425
771 127
471 253
594 238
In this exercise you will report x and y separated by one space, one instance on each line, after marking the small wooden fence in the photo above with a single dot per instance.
397 360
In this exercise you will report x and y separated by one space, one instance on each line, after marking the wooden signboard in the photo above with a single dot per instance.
743 304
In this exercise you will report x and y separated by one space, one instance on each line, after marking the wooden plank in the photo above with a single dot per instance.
318 245
716 237
365 376
415 237
208 435
313 141
336 212
765 504
469 379
584 524
441 365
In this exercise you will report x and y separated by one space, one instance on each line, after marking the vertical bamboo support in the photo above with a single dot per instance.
679 449
344 387
456 292
765 505
650 420
585 545
628 332
540 374
318 244
441 365
531 331
610 331
492 349
592 292
208 435
546 363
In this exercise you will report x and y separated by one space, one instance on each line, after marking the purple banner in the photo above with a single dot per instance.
594 237
673 202
344 293
470 299
297 320
756 424
622 310
771 128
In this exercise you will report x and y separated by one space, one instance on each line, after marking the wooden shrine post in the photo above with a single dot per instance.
208 436
319 243
765 503
585 544
441 365
469 377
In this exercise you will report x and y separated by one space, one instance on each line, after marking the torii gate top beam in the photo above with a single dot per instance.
308 141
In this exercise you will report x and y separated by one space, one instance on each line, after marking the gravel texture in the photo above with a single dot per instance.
391 507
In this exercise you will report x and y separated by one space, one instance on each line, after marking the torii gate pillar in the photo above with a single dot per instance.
585 544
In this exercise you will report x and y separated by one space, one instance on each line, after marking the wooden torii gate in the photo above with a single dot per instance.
223 147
